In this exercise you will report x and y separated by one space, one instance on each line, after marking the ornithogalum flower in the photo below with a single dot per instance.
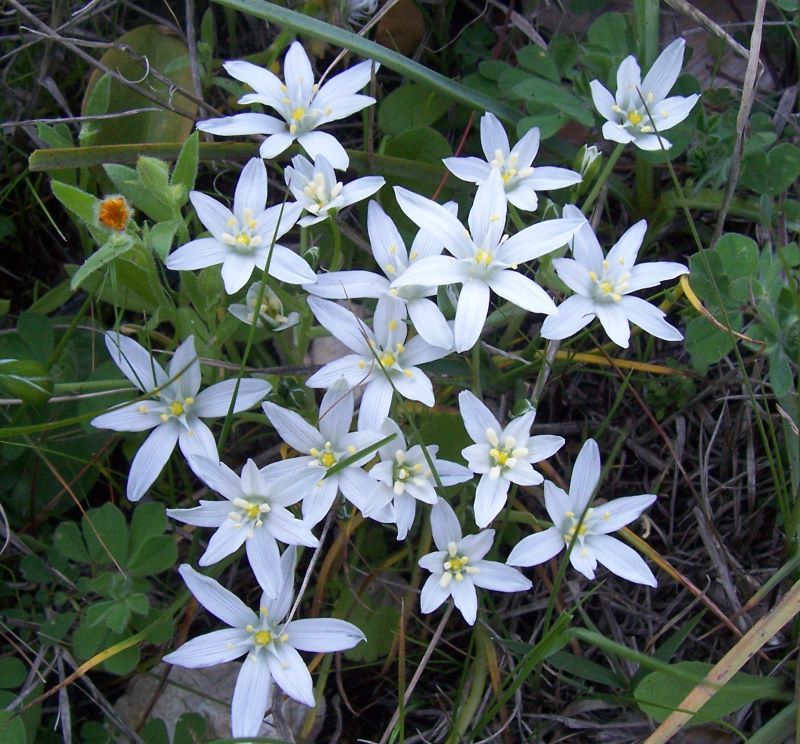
405 477
319 193
320 450
254 514
482 258
242 240
641 111
501 456
458 566
390 252
574 521
270 313
271 644
381 359
521 180
176 410
302 104
602 286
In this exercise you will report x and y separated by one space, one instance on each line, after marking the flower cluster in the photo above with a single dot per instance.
376 467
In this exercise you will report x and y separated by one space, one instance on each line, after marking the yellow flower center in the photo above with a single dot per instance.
263 637
328 459
634 117
176 408
388 359
298 113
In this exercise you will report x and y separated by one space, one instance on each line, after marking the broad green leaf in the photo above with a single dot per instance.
37 332
706 343
12 729
52 300
154 203
149 520
69 542
739 256
411 106
374 622
426 145
784 167
159 47
25 379
115 246
12 672
95 104
544 93
540 61
185 171
612 32
160 237
154 556
76 201
661 692
106 534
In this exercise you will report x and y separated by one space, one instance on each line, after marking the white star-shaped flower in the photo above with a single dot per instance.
394 259
270 313
254 514
271 644
302 104
588 527
483 258
175 414
320 450
405 477
602 286
379 356
458 566
641 111
316 189
521 180
241 240
501 456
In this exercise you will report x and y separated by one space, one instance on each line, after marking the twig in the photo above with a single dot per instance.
418 674
748 94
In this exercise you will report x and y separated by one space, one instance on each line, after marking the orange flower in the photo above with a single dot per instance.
114 213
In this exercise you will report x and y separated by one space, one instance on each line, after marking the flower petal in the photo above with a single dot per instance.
465 598
621 559
487 218
585 476
477 417
664 73
471 312
216 599
375 403
212 648
265 560
573 314
251 697
138 416
651 274
322 143
649 318
342 324
472 170
215 400
323 635
135 362
290 673
433 594
537 548
342 285
537 240
493 136
521 291
614 321
211 213
615 514
197 254
293 428
251 190
150 460
490 497
430 324
444 524
499 577
247 123
336 411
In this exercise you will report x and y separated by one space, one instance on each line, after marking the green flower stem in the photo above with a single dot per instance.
478 674
515 218
602 178
338 259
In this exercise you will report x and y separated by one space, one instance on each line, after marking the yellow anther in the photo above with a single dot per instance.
361 364
606 287
606 515
328 459
352 450
176 408
231 222
390 269
243 239
263 637
392 249
593 276
408 373
164 417
634 117
142 409
252 511
392 325
298 113
387 359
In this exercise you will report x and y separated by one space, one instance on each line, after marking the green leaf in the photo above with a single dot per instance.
706 343
12 672
185 171
106 534
411 106
117 616
12 729
77 201
156 205
124 662
52 300
784 167
95 104
780 373
584 669
611 31
540 61
149 520
374 622
160 237
543 93
154 556
37 332
154 48
116 245
425 145
661 692
739 256
69 542
25 379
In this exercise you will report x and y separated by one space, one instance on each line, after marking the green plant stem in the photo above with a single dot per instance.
466 712
337 261
602 178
